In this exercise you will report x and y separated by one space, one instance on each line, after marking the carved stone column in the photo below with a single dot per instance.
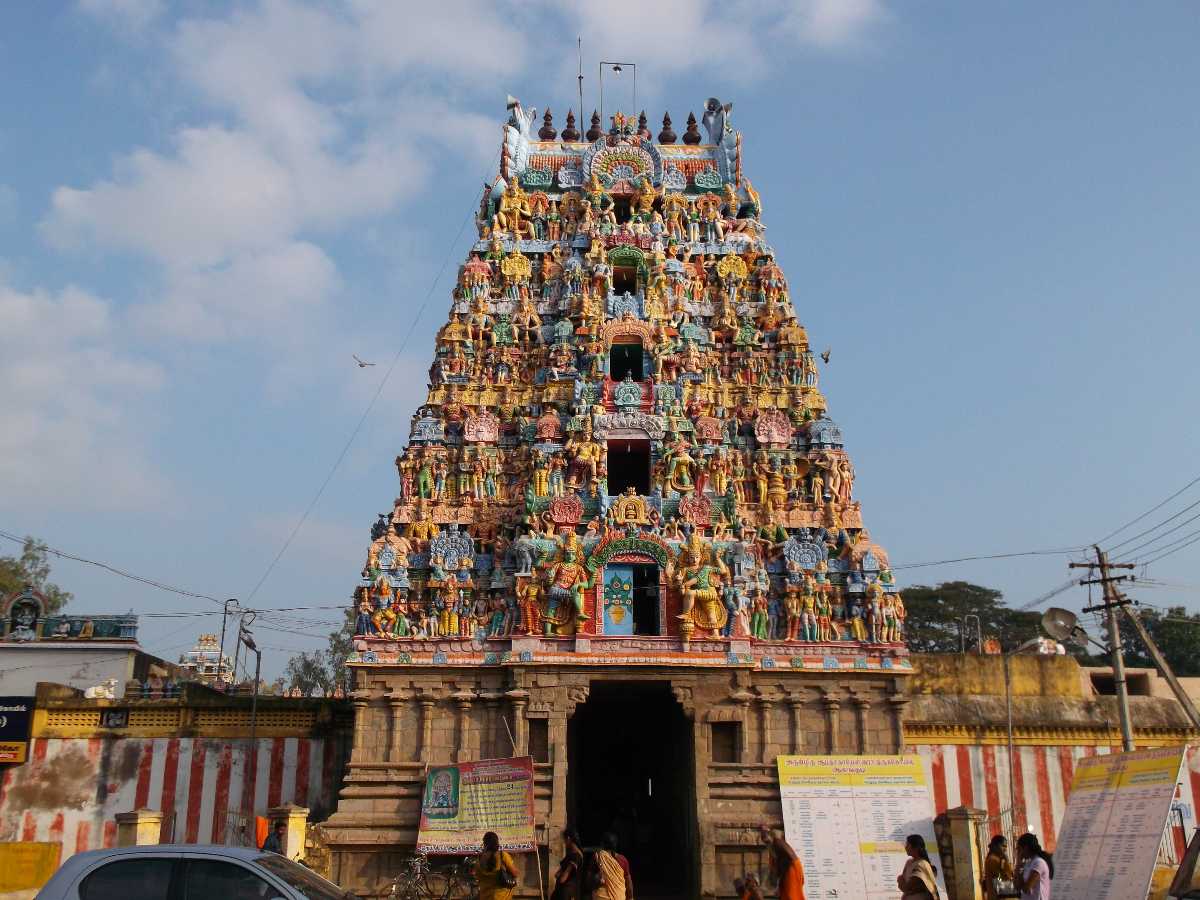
765 704
396 701
832 705
862 709
462 700
427 703
796 702
361 710
487 742
898 703
519 698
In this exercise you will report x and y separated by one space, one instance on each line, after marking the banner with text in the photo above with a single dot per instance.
1116 815
16 717
465 800
847 818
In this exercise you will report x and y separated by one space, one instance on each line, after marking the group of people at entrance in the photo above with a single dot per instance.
1029 880
599 874
604 874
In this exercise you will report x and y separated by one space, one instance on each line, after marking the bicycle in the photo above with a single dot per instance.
421 881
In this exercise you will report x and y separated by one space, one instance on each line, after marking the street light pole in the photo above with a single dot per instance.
245 637
224 619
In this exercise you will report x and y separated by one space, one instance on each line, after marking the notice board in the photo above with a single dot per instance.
847 818
464 801
16 716
1116 814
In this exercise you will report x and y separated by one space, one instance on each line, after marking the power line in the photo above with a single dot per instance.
1155 528
1149 511
113 569
1151 562
941 562
370 406
1162 547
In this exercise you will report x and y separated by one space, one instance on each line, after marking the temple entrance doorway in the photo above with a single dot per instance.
630 771
631 598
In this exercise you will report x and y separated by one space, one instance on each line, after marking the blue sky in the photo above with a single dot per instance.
990 213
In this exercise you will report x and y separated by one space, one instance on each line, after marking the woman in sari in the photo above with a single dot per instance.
918 879
491 866
612 873
569 874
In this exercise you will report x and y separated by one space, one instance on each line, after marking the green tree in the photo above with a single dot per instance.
340 646
1174 630
324 671
307 673
935 617
32 569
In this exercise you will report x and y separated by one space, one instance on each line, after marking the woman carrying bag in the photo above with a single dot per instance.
495 871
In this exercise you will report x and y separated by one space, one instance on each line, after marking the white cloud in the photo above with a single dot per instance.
255 294
834 23
72 406
321 117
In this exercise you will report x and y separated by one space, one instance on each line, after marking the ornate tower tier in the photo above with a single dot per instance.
623 434
623 487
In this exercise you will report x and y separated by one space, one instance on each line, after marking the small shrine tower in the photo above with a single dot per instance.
625 541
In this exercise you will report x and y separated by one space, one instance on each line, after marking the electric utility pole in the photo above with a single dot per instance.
1113 601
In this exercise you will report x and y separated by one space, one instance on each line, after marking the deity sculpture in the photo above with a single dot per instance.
566 581
700 580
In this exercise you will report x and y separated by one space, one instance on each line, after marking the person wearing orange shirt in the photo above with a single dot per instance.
789 871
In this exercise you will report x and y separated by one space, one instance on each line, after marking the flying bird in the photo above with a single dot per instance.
825 355
361 363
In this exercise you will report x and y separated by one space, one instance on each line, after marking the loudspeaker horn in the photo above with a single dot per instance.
1063 625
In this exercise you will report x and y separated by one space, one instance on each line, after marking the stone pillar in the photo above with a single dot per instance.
764 749
396 702
361 709
898 703
832 705
462 700
797 704
487 742
139 828
427 703
519 698
966 867
295 818
862 709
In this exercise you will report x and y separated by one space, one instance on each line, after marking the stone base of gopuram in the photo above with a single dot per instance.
671 748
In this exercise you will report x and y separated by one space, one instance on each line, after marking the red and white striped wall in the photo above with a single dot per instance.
71 789
973 775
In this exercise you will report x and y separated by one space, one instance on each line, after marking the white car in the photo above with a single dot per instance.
186 872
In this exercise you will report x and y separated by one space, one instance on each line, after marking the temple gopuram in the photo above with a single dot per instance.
626 541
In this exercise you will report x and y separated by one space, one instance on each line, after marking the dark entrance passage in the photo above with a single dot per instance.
630 772
645 600
628 465
625 359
